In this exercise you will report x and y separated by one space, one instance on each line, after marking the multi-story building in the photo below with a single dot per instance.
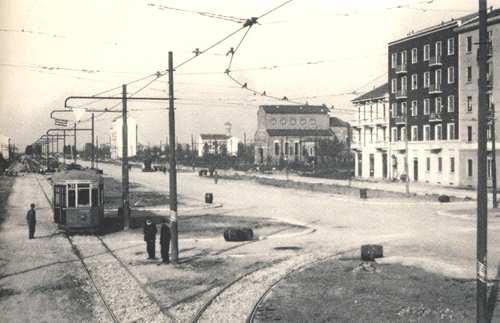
290 132
370 134
424 103
5 147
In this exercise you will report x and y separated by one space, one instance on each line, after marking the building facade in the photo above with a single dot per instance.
370 134
290 132
5 147
117 138
212 144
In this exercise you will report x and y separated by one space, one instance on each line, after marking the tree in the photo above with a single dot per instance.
28 150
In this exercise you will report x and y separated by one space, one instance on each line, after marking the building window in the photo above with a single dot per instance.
404 83
451 75
469 133
469 73
394 85
403 134
427 52
427 106
469 103
437 105
451 131
394 60
438 76
394 110
440 164
287 148
276 148
296 148
469 167
403 108
452 164
439 48
451 46
488 168
451 103
414 82
428 164
404 58
414 133
427 79
414 108
469 44
394 134
427 132
414 53
438 134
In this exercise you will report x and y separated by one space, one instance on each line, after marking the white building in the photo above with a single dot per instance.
117 138
370 134
4 146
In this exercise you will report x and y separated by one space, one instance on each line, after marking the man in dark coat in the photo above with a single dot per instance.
31 219
150 238
165 242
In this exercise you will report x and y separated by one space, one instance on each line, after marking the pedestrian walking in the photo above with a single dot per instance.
165 242
31 219
150 238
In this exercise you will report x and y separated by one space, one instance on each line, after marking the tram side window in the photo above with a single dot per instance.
71 195
83 195
95 199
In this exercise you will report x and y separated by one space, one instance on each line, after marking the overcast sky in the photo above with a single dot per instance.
314 50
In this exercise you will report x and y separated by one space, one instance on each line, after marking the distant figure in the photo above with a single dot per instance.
165 242
150 238
194 166
31 219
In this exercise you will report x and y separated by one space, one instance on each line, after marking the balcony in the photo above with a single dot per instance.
401 69
400 119
490 50
435 117
435 61
435 89
489 81
401 94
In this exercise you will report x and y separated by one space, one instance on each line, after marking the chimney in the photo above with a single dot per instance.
228 126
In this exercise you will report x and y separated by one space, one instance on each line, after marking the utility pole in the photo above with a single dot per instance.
64 147
97 155
125 187
482 193
74 145
349 151
407 179
92 150
493 157
172 164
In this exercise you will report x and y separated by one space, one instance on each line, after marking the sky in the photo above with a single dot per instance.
314 51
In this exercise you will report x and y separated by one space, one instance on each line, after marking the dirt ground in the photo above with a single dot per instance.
5 190
355 291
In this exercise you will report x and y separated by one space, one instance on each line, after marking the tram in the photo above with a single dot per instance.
78 201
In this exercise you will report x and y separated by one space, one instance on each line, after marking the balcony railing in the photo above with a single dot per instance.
401 94
401 69
435 117
400 119
489 81
435 61
435 89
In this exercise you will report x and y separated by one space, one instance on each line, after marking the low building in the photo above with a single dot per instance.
212 144
5 147
370 137
290 132
117 138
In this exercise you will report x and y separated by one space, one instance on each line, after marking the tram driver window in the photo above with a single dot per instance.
83 195
95 200
71 195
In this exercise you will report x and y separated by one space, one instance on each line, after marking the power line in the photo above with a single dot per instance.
202 13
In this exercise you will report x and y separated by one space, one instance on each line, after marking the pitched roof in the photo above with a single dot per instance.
471 21
83 174
300 132
337 122
213 136
376 93
295 109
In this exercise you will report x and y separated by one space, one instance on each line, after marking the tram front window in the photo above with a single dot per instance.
71 195
83 195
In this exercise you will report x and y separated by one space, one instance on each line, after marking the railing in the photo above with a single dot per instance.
435 116
401 69
400 119
489 80
435 88
435 61
401 94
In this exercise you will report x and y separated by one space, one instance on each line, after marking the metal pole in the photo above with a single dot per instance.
407 180
92 151
482 193
172 164
349 151
493 158
125 201
74 145
47 152
97 155
64 147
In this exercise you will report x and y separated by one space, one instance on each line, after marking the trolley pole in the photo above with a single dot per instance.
482 193
92 151
172 164
125 188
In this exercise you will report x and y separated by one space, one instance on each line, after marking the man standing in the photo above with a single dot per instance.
31 219
165 242
150 238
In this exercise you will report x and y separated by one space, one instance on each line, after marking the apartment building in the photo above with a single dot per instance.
370 134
